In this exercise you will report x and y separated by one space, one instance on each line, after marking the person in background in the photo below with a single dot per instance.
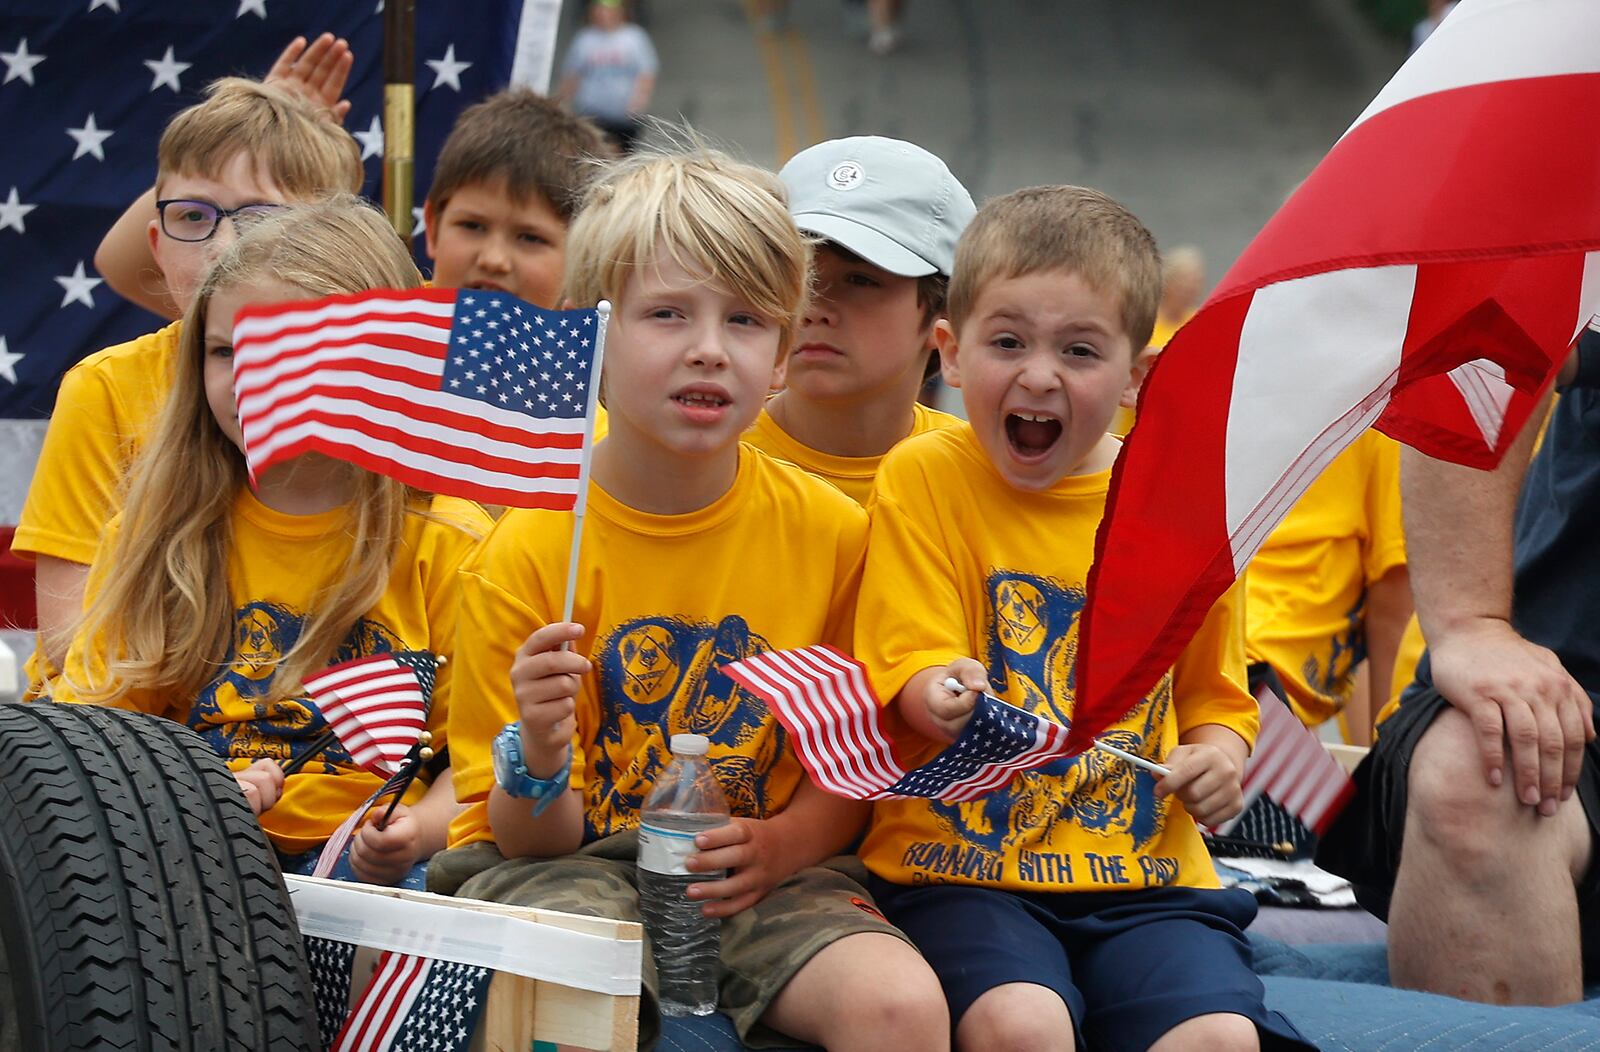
609 72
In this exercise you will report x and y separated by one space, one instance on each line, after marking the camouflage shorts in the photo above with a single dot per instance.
762 947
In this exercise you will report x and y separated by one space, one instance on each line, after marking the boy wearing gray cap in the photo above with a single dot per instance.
889 214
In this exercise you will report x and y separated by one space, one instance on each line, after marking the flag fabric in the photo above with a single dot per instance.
1427 278
333 849
377 706
475 394
1291 768
85 90
330 962
823 699
412 1004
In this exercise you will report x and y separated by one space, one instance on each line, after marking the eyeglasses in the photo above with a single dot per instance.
184 220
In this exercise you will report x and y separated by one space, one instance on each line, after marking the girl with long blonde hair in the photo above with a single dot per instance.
210 602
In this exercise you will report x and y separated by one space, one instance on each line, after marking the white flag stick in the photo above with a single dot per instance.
581 507
954 686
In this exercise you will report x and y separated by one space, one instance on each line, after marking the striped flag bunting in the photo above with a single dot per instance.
823 699
464 392
378 705
1426 279
412 1004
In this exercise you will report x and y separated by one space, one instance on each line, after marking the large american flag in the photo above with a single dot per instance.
1426 279
471 393
86 87
412 1004
377 706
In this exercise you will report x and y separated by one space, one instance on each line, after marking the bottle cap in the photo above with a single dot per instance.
690 745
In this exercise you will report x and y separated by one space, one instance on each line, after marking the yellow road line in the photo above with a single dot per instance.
810 107
777 84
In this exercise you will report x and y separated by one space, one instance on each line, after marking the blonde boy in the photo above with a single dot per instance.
697 550
248 148
1077 905
507 182
888 213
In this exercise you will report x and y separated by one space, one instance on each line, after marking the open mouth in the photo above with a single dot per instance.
702 404
486 286
1032 435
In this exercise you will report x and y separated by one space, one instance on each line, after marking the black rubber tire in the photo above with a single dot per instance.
141 907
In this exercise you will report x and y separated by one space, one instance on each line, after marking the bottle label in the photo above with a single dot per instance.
665 850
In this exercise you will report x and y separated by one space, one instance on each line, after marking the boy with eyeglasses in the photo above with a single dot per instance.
247 149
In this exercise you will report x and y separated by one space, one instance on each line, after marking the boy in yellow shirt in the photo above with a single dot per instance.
247 149
689 560
1329 591
507 182
889 214
1078 904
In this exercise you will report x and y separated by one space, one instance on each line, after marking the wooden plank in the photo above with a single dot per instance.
1347 755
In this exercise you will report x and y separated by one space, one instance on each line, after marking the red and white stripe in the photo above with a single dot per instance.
1427 279
359 377
376 707
823 699
377 1018
1290 766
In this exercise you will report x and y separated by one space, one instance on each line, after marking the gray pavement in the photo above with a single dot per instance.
1201 115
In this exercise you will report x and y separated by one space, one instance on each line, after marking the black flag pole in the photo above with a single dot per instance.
399 106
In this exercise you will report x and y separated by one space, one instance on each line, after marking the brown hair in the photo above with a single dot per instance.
708 212
535 144
163 616
293 142
1068 228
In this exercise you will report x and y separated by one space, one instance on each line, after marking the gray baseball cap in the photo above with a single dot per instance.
890 202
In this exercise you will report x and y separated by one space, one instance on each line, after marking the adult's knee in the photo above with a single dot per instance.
1451 808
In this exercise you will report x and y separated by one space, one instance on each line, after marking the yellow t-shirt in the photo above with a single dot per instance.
853 475
106 405
998 574
277 565
1306 588
665 600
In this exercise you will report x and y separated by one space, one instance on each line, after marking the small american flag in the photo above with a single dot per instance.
378 705
412 1004
470 393
1290 767
823 699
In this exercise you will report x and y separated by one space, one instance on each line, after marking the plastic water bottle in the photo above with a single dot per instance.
686 800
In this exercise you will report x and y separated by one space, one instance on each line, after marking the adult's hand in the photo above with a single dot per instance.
1516 692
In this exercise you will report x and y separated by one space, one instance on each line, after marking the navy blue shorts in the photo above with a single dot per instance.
1129 965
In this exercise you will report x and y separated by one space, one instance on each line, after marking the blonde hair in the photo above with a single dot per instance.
707 212
164 614
291 141
1069 228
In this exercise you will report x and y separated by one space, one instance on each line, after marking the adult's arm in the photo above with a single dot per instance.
1458 532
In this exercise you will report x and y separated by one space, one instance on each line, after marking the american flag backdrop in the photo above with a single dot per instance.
86 87
471 393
